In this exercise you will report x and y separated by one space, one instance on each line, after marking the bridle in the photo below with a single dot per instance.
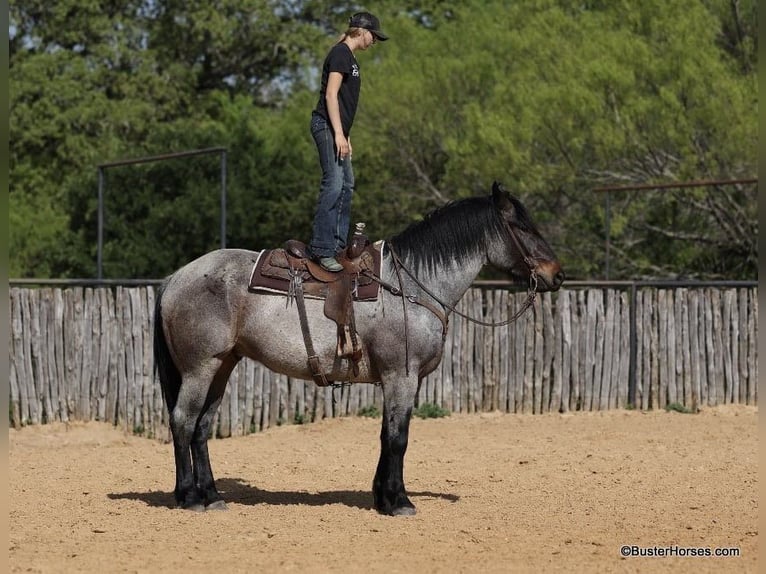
528 302
443 316
531 290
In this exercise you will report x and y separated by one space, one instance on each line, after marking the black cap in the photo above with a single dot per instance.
368 22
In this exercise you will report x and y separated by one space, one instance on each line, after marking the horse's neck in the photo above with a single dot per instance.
448 283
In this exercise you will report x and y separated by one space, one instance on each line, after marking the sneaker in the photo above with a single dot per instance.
330 264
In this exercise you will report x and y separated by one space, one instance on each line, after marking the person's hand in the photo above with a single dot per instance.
343 146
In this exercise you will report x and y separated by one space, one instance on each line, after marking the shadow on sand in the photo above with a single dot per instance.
238 491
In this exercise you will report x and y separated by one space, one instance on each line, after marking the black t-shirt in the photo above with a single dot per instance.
341 59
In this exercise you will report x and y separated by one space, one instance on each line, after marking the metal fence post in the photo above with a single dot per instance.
223 199
100 256
148 159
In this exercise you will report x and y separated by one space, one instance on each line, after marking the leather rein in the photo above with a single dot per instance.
440 313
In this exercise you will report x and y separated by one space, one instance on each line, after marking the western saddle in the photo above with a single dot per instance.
291 271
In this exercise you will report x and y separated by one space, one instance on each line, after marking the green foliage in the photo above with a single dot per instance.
563 100
301 419
370 411
552 97
430 411
678 408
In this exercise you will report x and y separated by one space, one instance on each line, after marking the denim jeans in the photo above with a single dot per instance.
333 210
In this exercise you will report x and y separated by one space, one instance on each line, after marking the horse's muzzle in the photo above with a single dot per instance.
550 276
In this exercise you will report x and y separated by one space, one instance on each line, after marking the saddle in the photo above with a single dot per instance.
275 268
290 271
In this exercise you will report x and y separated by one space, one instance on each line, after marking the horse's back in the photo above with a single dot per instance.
220 263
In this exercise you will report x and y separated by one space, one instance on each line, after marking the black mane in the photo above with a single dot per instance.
457 231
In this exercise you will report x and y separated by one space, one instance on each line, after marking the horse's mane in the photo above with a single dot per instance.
455 231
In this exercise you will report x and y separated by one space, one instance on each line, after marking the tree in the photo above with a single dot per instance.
559 98
97 81
552 97
82 91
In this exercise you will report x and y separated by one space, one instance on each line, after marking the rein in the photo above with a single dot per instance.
531 293
443 317
399 266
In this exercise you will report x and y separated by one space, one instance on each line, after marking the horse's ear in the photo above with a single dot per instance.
501 197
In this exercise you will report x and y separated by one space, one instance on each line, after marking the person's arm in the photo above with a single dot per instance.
334 81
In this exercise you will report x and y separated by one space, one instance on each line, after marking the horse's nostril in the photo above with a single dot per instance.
560 277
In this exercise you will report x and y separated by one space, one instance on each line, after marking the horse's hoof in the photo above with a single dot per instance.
404 511
197 507
217 505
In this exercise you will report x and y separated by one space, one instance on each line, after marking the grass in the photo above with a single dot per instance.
301 419
370 411
679 408
424 411
430 411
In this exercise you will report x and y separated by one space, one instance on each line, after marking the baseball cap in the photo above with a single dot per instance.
369 22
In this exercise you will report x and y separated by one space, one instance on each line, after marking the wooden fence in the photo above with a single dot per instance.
85 353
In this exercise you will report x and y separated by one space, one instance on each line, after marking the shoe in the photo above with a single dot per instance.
330 264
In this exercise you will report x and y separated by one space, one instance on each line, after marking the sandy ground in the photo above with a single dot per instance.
495 493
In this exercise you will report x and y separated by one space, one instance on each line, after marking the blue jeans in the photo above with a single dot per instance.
333 210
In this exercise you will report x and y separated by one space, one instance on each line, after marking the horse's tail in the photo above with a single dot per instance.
170 377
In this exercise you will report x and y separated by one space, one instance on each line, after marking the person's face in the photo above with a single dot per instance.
369 39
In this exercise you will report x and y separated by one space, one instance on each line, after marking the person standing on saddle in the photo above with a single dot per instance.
331 123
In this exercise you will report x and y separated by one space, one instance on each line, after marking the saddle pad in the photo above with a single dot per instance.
272 269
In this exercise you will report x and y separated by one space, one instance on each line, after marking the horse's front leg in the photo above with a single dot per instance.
388 490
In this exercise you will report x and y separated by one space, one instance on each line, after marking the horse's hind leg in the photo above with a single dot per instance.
203 473
388 490
194 400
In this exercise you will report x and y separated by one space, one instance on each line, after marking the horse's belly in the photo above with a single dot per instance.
273 337
335 369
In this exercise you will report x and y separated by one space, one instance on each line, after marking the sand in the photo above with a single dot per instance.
494 493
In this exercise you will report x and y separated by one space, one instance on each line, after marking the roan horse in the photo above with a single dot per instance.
206 320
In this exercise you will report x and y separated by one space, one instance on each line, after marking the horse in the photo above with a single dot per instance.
206 319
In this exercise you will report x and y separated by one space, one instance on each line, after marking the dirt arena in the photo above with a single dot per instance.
495 493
